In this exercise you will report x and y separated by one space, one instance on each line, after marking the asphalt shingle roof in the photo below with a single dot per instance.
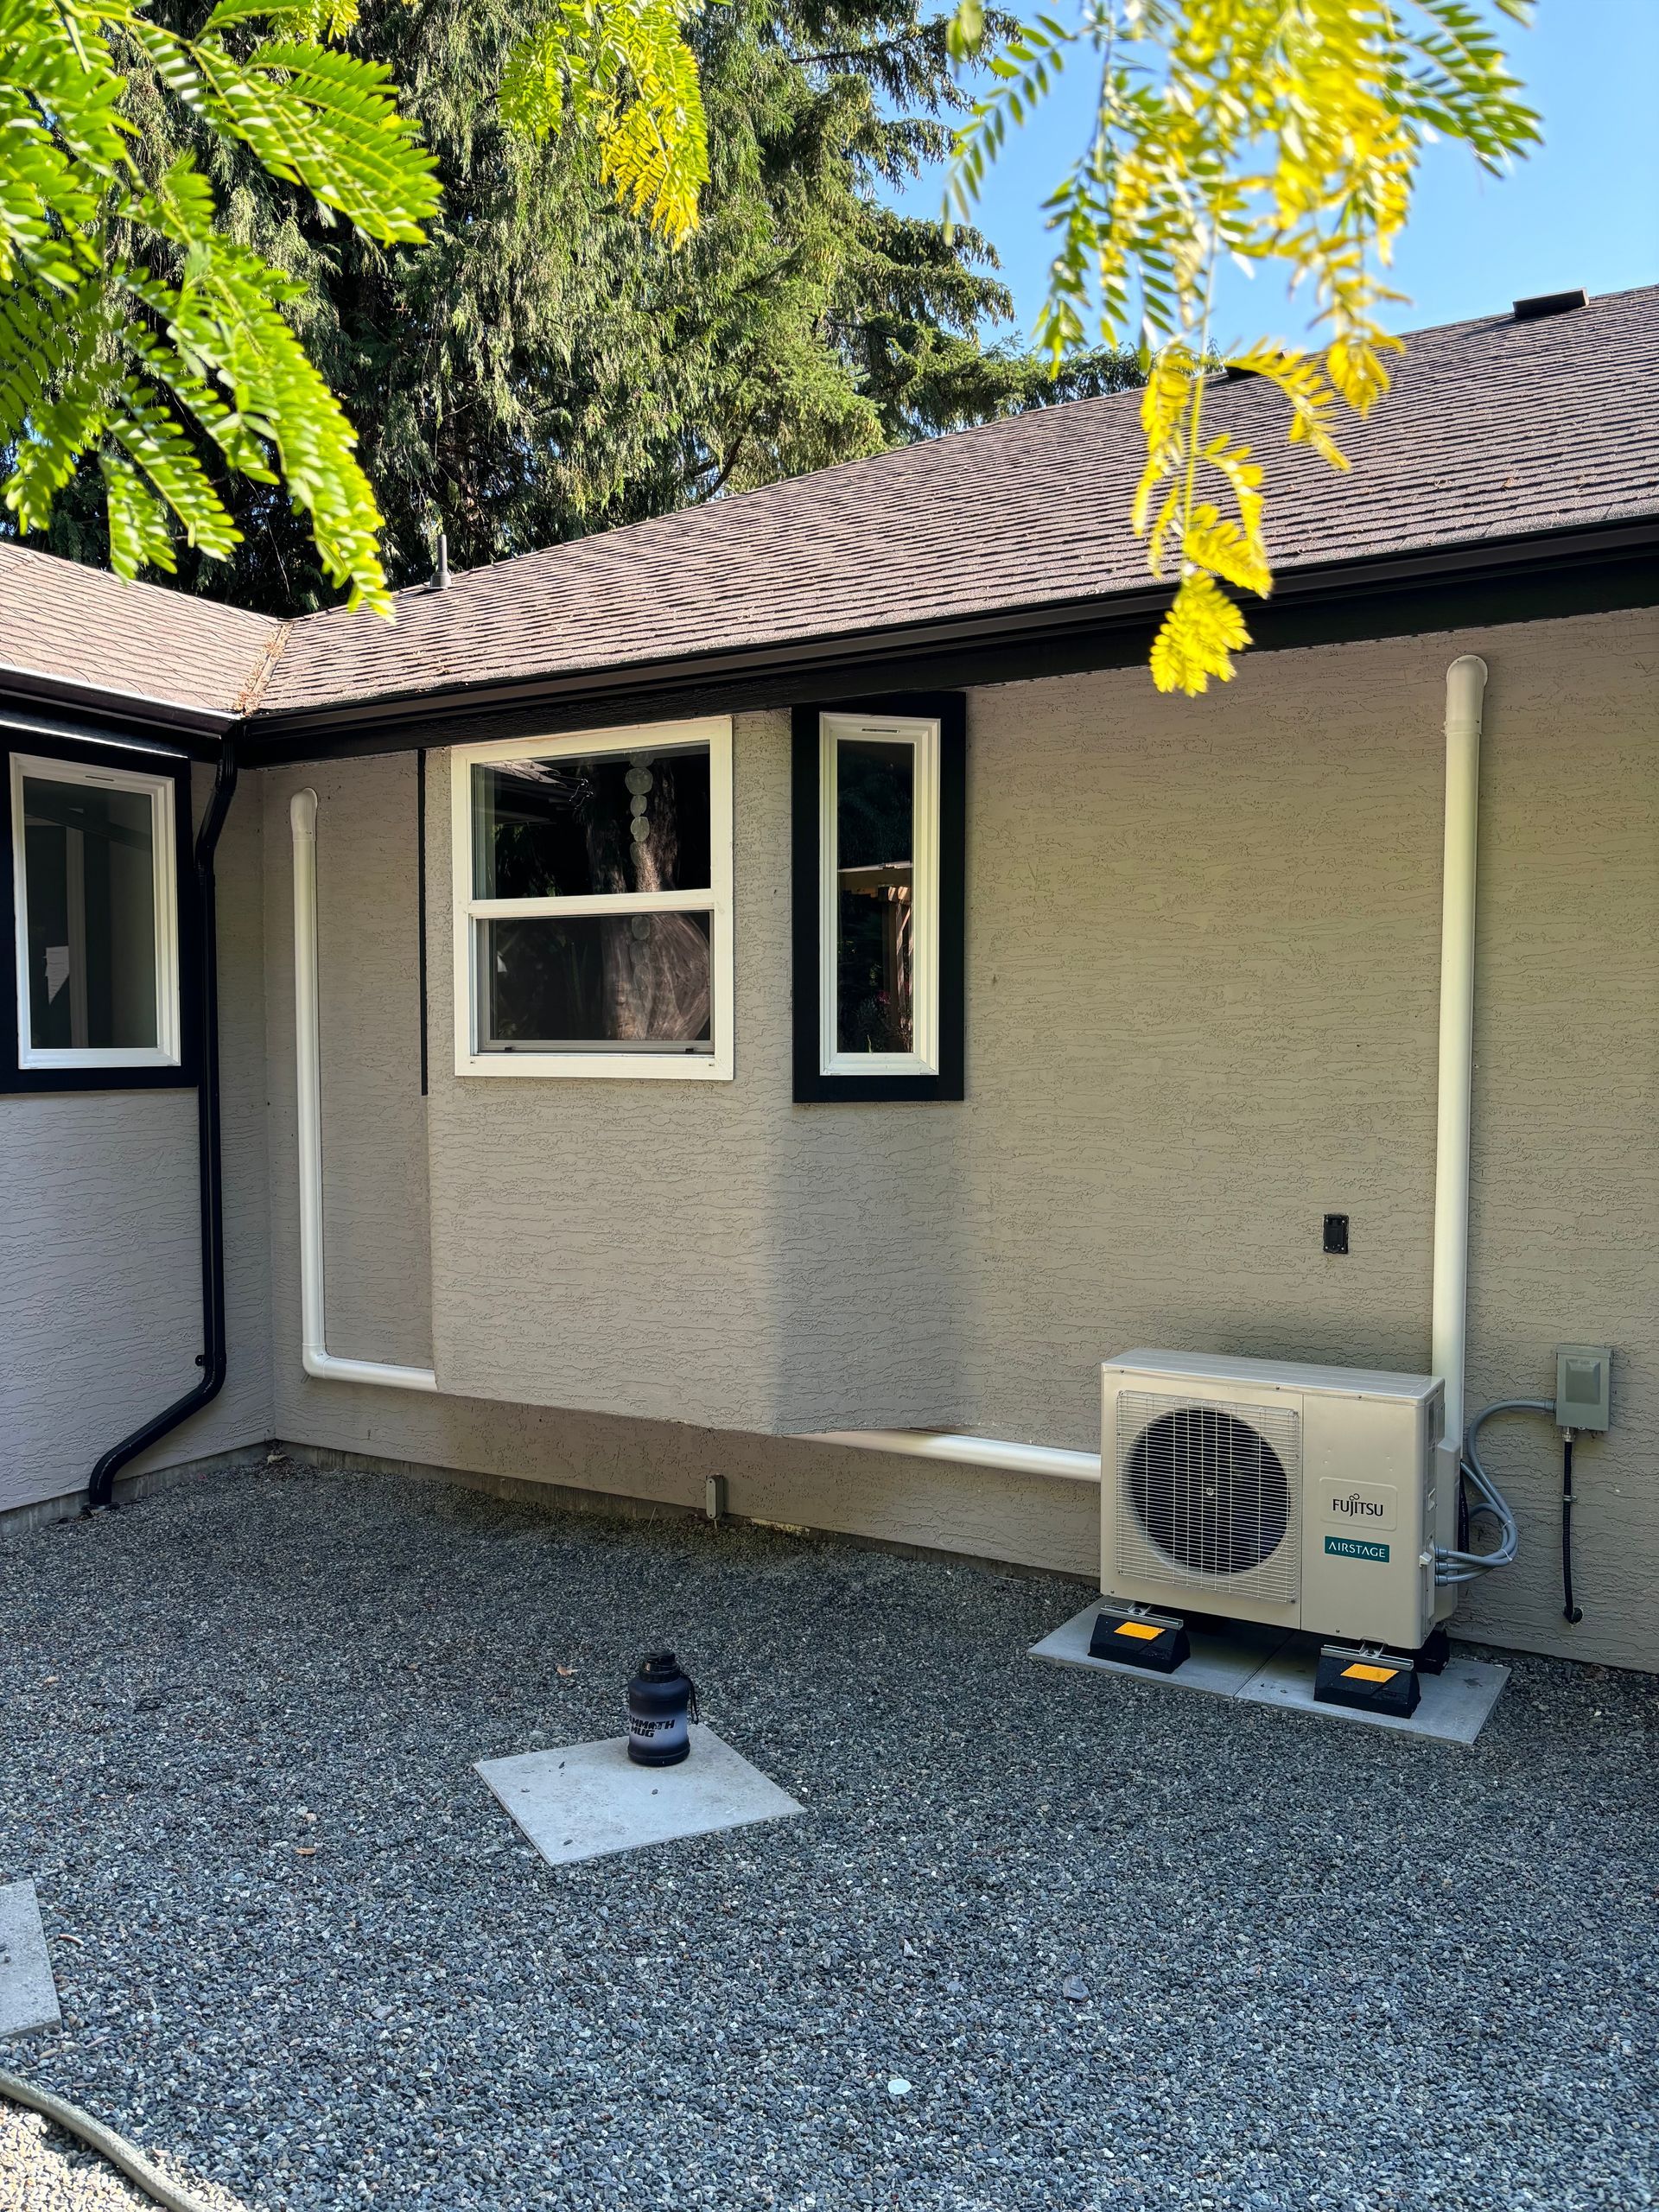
1494 430
71 624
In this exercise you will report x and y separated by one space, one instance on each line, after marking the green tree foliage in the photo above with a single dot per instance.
132 329
1281 132
547 365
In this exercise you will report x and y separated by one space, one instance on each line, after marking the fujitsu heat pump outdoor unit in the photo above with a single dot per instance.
1265 1490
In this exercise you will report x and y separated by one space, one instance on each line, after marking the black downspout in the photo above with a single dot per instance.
212 1358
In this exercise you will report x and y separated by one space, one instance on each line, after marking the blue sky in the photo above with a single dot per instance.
1583 210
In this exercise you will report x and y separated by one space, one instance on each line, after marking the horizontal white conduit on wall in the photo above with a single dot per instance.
966 1450
308 1066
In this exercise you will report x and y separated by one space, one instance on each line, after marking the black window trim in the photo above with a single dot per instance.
112 752
812 1085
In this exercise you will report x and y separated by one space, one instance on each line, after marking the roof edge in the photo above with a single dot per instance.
137 709
1473 561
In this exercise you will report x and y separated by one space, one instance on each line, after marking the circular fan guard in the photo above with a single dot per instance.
1209 1491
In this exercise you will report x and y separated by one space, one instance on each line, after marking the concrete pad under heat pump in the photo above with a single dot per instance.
1263 1666
28 1995
585 1800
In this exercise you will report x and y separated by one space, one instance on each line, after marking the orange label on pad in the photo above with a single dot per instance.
1369 1674
1143 1631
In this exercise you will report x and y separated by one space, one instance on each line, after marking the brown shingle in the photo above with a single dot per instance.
1493 429
74 625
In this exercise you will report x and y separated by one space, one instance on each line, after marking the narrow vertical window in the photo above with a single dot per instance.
96 918
883 873
880 933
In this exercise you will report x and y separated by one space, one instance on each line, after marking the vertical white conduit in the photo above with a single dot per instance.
1465 685
314 1349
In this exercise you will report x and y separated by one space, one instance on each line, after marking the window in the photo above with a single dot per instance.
879 848
594 904
96 918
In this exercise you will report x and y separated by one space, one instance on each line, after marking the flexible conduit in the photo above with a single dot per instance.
308 1065
1469 1566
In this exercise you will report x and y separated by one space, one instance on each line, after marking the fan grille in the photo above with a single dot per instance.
1208 1495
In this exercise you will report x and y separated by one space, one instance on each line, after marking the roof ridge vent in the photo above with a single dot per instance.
1543 303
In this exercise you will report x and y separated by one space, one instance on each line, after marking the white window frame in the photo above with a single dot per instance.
161 792
922 736
471 913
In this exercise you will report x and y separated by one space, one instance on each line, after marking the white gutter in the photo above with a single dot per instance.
1465 685
313 1351
967 1451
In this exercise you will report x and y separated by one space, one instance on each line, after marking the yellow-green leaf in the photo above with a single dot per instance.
1198 638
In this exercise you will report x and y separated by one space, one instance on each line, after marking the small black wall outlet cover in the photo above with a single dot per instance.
1336 1232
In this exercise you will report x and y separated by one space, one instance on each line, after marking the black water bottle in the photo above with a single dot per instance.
661 1701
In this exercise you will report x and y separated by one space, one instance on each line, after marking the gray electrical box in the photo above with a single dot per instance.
1584 1377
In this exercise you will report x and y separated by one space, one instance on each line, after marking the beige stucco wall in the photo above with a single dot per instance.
543 1162
1202 979
697 1252
100 1295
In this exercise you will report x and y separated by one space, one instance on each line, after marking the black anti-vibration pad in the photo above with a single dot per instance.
1436 1650
1368 1682
1140 1639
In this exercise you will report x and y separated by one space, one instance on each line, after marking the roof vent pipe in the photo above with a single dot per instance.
440 574
314 1354
1466 686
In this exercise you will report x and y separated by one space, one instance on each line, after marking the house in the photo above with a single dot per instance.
780 974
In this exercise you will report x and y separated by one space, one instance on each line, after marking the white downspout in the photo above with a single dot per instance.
1465 685
313 1351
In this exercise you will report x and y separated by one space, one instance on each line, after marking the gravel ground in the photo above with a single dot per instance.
43 2170
1044 1943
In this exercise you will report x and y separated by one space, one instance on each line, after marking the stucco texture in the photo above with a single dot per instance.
1201 963
549 1160
101 1280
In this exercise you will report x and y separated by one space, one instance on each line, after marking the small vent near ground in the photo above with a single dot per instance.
1208 1495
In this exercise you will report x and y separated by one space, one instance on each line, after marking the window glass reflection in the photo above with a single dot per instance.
582 827
875 815
89 864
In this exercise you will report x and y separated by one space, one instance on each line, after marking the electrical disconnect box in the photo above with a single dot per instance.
1583 1375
